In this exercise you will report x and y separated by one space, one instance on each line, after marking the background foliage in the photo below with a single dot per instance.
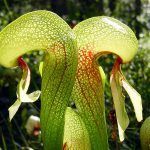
134 13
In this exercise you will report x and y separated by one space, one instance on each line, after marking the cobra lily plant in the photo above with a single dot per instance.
70 70
145 134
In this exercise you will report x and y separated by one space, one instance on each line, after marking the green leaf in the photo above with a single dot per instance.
75 133
145 134
103 76
41 68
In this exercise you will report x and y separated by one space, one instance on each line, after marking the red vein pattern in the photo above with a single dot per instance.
88 95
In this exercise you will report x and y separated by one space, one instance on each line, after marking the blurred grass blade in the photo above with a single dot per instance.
4 143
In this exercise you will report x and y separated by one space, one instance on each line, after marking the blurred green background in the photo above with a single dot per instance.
134 13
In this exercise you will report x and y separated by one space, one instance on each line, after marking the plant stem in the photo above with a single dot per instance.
57 84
